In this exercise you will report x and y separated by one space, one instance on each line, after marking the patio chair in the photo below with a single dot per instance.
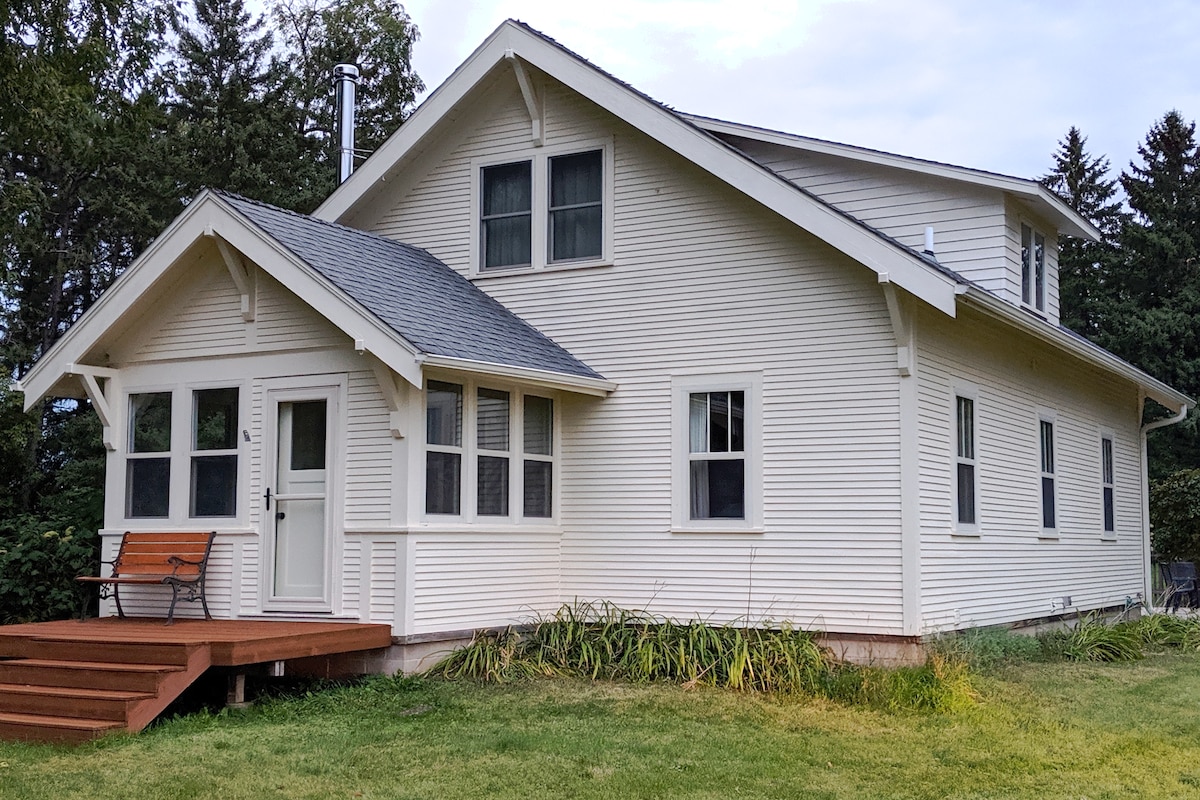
1183 584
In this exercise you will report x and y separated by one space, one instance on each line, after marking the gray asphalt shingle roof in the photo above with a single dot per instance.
433 307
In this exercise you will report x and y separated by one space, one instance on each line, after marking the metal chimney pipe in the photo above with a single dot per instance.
345 78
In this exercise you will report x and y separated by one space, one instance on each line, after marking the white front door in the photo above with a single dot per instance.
297 509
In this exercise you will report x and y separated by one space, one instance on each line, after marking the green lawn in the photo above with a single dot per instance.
1057 730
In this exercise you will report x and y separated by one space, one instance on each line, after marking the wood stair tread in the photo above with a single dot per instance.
98 666
68 691
69 723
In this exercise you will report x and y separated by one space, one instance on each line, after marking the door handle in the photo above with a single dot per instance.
280 515
268 496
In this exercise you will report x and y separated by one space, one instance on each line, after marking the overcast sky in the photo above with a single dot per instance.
989 84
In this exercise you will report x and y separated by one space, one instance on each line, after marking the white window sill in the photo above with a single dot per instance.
1048 534
967 531
566 266
720 530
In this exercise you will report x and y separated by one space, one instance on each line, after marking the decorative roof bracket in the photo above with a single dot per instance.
533 104
393 395
95 393
902 327
242 275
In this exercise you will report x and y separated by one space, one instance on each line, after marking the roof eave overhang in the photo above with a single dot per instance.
885 258
209 216
549 379
1153 388
1049 205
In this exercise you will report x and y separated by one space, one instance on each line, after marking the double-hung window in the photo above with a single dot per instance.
214 453
1033 268
1106 480
148 461
546 210
966 514
1046 438
511 475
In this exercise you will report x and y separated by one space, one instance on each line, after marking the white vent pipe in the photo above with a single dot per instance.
345 77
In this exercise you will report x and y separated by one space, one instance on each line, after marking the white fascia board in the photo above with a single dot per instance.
1048 203
1080 348
208 215
837 229
596 387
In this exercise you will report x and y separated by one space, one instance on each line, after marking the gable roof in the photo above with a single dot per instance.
1046 202
893 262
396 302
436 310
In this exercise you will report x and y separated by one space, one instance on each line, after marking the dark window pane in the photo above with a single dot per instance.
506 219
150 423
718 420
493 486
1047 447
308 434
507 242
1048 520
576 206
966 428
1026 264
718 489
1110 523
539 488
492 420
1039 262
737 422
216 419
442 483
539 425
966 494
147 487
576 233
507 189
575 179
1106 457
698 422
214 486
443 413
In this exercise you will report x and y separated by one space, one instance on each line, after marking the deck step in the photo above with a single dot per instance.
63 701
50 728
85 674
56 649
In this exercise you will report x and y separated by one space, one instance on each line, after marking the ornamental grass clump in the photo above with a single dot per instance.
1169 630
1093 640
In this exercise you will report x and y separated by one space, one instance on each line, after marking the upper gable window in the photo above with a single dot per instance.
507 215
1033 268
552 209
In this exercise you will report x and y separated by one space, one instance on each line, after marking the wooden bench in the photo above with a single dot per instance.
179 560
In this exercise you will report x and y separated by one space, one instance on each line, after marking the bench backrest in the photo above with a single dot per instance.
150 553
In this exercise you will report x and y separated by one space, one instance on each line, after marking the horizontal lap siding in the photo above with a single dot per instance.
702 281
1008 573
203 318
369 446
463 581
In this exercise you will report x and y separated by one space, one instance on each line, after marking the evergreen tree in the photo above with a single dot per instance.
1085 267
1157 288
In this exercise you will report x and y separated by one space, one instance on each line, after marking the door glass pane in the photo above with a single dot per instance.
538 488
216 420
214 486
493 486
539 425
443 486
492 416
308 434
443 414
147 486
150 422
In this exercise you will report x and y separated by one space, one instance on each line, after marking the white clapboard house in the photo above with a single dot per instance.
556 341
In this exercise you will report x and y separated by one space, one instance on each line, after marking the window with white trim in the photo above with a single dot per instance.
717 481
1033 268
966 496
1046 439
1108 498
550 209
470 452
208 463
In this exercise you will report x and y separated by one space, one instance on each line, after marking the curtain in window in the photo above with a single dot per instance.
507 213
576 206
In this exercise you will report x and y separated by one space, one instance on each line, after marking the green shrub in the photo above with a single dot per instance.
1093 640
38 568
1168 630
1175 516
983 648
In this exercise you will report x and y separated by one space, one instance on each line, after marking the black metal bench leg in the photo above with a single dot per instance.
174 598
117 597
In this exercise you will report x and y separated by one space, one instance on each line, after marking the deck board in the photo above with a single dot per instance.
232 642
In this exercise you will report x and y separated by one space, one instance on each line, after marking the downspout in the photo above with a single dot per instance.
1147 578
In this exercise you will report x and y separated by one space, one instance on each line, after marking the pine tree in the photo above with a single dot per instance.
1084 267
1157 288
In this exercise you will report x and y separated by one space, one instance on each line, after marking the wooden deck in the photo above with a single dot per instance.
232 643
73 680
